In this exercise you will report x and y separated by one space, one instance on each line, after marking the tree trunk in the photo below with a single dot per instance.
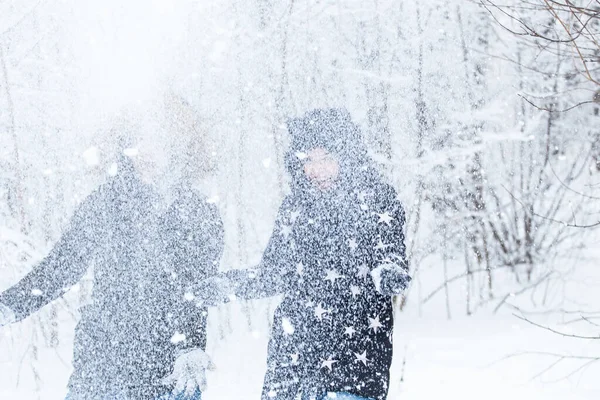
17 206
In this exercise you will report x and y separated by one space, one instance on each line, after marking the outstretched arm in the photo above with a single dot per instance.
269 277
61 269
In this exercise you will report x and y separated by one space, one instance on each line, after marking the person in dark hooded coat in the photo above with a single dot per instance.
337 254
141 318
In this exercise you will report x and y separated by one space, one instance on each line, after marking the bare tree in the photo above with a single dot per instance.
574 25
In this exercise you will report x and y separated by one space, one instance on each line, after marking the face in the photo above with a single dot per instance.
321 168
149 158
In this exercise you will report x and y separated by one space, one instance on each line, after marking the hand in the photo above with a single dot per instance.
7 316
390 279
214 291
189 372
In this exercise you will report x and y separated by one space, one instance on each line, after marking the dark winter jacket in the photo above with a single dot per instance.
333 329
143 258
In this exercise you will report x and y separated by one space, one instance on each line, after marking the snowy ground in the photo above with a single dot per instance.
462 358
467 357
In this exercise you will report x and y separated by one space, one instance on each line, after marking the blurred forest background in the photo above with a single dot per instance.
484 115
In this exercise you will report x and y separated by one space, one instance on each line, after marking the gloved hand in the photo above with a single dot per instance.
214 291
390 279
189 372
7 316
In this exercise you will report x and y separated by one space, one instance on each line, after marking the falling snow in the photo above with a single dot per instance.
366 200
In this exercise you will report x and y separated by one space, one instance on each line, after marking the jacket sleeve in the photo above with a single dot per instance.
391 270
194 246
269 278
64 266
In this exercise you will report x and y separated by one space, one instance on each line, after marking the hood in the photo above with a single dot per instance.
333 130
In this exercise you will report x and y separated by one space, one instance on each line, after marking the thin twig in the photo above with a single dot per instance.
555 331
